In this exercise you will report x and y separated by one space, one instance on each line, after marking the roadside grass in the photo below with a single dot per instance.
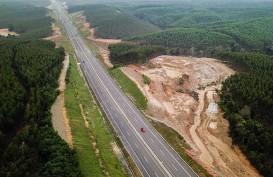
94 47
79 25
170 135
129 87
92 143
85 33
80 136
179 145
63 40
95 135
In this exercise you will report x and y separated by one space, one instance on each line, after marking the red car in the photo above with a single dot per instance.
142 130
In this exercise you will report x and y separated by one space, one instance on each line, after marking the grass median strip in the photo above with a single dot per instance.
169 134
91 138
129 87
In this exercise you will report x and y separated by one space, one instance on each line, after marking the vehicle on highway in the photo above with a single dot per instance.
142 130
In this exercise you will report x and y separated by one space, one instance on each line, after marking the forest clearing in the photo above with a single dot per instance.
190 107
5 32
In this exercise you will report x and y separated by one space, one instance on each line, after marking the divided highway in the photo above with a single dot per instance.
152 155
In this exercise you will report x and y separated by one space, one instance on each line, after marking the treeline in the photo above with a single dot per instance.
29 72
247 100
188 41
175 15
112 22
250 28
27 20
125 53
170 17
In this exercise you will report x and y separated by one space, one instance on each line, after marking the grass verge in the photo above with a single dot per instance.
129 87
169 134
92 141
96 51
179 145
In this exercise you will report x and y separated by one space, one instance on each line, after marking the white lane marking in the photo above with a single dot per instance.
162 152
136 145
125 116
145 159
121 123
152 140
143 141
135 119
174 167
128 133
156 175
126 100
121 132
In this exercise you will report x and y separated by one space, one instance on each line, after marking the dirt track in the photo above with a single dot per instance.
56 34
60 121
103 43
190 107
5 32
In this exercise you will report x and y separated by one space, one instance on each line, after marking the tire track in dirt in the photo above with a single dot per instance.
60 120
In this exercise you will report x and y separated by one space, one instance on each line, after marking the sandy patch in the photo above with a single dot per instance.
5 32
57 34
102 44
213 125
60 120
183 94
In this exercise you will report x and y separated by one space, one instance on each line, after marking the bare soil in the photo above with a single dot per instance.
184 95
101 43
5 32
56 34
60 120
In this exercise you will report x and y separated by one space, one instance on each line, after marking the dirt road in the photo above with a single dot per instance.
60 121
183 95
102 44
5 32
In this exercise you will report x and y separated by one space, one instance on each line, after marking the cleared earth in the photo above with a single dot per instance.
183 94
5 32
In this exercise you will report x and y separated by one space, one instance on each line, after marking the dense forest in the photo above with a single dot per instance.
124 53
27 20
188 41
29 146
29 72
112 22
243 37
38 3
248 29
247 100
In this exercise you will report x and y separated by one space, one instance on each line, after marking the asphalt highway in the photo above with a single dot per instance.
151 153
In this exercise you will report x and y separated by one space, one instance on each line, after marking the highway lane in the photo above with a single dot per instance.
150 152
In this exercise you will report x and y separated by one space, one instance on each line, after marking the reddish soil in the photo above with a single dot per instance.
102 44
56 34
183 95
